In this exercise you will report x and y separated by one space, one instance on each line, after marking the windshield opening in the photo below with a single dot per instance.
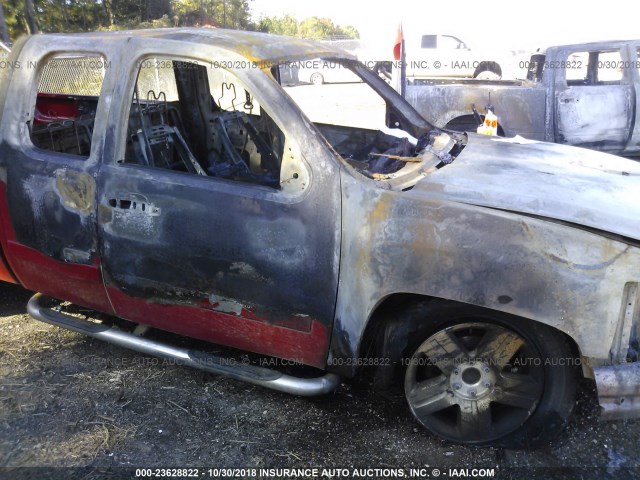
366 123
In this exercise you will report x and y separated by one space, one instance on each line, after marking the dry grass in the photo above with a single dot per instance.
67 400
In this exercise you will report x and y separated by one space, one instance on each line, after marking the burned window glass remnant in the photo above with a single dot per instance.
189 117
66 103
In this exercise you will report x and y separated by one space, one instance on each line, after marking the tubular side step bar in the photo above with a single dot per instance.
37 308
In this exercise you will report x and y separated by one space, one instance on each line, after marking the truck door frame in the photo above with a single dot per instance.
573 101
304 334
633 146
48 204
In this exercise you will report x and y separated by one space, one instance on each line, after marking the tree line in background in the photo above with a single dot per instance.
19 17
314 27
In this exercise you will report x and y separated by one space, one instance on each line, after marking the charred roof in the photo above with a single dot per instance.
254 46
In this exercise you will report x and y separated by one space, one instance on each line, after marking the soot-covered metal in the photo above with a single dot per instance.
244 223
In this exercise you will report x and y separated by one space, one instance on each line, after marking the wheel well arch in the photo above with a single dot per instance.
385 336
490 65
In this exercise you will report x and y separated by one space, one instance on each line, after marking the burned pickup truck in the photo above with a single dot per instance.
586 95
165 180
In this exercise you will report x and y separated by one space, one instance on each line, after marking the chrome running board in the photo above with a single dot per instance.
37 308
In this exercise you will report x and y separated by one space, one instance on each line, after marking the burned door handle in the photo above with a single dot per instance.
132 205
120 203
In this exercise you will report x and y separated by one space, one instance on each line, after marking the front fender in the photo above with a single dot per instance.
560 275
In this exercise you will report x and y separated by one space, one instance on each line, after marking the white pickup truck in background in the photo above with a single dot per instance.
431 55
448 56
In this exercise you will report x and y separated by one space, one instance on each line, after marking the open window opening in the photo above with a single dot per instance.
594 68
191 118
361 126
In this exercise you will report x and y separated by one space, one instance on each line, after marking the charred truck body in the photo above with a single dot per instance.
182 189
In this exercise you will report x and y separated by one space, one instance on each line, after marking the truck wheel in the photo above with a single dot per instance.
491 379
317 79
488 75
488 71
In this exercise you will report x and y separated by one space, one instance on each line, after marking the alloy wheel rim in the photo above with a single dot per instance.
474 382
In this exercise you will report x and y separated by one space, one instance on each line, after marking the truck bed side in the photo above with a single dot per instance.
520 108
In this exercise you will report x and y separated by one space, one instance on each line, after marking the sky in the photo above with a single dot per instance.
508 24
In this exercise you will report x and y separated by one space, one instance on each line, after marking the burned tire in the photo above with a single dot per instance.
490 379
316 79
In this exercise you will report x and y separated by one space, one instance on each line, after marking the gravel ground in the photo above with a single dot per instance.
74 407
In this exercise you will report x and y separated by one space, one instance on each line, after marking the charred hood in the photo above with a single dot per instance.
568 184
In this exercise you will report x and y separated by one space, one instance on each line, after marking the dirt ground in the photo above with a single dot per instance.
74 407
